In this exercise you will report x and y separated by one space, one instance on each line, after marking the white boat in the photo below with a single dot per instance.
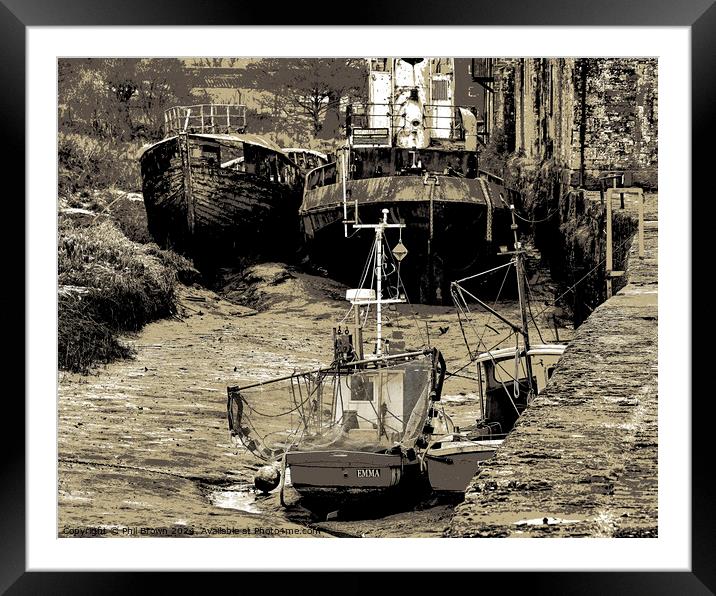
352 430
508 379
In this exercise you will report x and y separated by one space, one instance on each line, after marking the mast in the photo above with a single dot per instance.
519 270
378 272
379 285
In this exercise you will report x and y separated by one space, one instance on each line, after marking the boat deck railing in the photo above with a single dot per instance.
205 118
376 123
321 176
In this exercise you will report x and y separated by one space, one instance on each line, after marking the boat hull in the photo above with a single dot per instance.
329 480
451 468
451 228
213 213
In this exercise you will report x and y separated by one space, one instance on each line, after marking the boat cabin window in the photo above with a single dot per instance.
206 153
440 90
503 371
232 157
361 389
311 161
379 399
442 65
379 64
273 168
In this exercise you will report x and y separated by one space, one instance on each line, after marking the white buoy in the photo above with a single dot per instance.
267 478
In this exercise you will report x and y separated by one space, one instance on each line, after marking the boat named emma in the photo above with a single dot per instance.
209 187
413 150
349 432
371 425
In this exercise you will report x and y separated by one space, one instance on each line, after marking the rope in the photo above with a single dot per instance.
580 280
490 207
536 221
529 307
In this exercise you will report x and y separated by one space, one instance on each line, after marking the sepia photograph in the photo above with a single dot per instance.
357 297
363 288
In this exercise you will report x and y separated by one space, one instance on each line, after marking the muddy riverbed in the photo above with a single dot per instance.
144 448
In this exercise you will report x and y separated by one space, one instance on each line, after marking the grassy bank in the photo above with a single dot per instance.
109 285
86 162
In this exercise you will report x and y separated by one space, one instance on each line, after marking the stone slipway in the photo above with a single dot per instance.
582 460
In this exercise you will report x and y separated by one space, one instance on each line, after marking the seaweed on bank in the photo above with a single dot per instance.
110 285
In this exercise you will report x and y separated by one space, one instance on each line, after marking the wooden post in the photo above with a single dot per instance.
186 122
640 198
609 263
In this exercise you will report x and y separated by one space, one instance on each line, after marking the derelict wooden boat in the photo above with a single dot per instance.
413 151
211 190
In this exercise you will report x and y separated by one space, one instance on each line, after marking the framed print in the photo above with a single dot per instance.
292 286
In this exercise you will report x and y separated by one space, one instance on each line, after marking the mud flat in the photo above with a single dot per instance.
143 444
582 461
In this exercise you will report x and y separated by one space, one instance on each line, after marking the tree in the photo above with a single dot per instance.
121 98
309 87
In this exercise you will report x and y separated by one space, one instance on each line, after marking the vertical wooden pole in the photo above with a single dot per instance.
185 151
186 122
609 263
641 223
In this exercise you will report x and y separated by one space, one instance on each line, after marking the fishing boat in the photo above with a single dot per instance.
508 379
349 432
210 187
413 150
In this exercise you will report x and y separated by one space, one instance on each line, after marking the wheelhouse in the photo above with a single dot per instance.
503 386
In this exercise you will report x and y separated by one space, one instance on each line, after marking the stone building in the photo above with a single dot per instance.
591 116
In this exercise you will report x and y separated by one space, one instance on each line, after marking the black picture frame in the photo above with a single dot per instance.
17 15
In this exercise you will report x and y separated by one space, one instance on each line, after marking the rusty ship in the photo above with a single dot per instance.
413 150
211 189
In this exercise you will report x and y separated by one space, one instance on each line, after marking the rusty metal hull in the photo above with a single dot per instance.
211 213
452 229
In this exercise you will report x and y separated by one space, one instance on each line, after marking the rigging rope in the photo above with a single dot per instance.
580 280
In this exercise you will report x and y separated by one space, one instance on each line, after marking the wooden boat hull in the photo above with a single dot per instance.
215 213
451 228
